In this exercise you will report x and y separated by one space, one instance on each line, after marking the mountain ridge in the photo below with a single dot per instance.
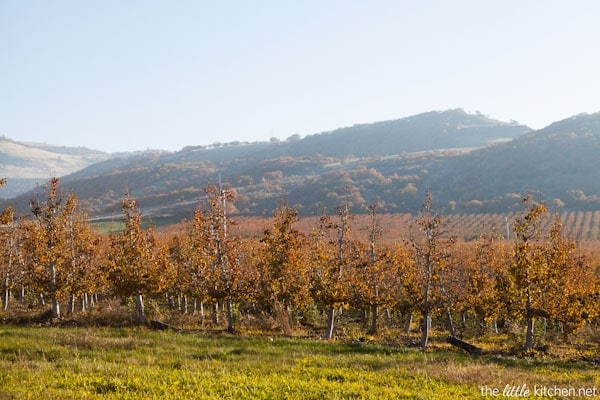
455 154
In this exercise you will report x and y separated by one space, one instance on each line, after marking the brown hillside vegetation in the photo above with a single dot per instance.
390 164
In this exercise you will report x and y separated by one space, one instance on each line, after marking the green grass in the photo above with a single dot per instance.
109 363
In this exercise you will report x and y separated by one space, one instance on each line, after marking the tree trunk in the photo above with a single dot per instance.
6 297
9 267
468 347
425 328
7 287
71 306
388 317
184 309
215 313
55 308
374 316
229 309
449 322
55 303
408 323
201 312
330 321
530 323
139 305
529 334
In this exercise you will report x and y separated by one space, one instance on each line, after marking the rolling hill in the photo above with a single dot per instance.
557 164
25 164
470 162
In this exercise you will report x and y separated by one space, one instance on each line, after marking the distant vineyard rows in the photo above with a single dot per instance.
578 225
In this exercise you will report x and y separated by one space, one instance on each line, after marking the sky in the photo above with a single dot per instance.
126 75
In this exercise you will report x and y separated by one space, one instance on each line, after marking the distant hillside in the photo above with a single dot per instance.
427 131
558 164
389 163
25 164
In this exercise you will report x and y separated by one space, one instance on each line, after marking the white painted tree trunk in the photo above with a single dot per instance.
55 303
71 305
55 308
139 305
425 329
330 322
6 296
7 284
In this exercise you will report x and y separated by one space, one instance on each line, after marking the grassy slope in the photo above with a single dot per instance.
88 363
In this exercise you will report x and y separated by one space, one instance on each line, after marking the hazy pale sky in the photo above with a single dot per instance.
118 75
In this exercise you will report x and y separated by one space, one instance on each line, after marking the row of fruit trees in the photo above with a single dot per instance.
54 256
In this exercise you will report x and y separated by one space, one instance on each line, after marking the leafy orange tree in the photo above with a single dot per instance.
283 267
375 280
529 268
62 251
82 274
135 264
51 243
216 257
9 251
333 254
483 265
46 244
193 260
375 283
548 276
425 270
571 290
178 271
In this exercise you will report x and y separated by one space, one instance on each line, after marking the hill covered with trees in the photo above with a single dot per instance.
558 164
309 172
471 163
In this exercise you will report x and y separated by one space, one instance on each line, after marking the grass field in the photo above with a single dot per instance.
112 363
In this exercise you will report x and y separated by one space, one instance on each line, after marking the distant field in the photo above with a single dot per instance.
103 363
582 226
578 225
